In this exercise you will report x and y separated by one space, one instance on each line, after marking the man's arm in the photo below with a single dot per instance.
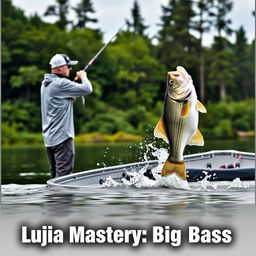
69 89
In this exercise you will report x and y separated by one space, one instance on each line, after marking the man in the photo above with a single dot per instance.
57 96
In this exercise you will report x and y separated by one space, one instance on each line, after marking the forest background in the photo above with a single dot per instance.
129 78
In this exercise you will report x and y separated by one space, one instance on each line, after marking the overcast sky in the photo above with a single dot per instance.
111 14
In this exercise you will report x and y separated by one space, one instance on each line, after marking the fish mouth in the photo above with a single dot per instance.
172 76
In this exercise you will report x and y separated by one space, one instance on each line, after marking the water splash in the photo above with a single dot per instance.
150 151
105 156
237 183
140 181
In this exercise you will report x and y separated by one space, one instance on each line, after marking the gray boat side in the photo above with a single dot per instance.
92 177
196 164
216 158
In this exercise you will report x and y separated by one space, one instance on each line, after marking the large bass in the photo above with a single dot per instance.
178 125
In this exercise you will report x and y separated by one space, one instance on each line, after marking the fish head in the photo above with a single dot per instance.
179 83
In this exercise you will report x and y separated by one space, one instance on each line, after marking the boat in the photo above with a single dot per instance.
217 165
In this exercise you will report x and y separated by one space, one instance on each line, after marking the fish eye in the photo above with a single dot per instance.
171 82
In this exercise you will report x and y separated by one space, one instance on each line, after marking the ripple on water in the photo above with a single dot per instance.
20 190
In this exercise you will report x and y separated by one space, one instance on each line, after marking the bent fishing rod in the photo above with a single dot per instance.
101 50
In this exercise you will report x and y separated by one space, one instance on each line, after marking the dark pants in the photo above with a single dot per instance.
61 158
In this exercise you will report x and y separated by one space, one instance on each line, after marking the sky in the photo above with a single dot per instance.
111 15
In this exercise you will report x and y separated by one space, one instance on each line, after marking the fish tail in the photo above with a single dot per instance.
172 167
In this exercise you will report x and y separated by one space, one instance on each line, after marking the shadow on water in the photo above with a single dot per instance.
58 203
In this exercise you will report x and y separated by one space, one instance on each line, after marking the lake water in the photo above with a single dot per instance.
26 198
29 164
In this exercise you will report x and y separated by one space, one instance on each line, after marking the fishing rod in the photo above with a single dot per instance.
97 55
101 50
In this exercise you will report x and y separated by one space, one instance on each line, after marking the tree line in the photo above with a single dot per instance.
129 78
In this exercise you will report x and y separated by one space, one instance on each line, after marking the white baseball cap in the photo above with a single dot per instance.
60 60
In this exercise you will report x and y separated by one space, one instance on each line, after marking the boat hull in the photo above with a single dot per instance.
213 166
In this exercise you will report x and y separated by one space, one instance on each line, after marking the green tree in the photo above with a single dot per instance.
222 24
222 72
109 123
23 115
60 10
243 61
37 21
129 77
12 12
176 44
27 76
137 23
14 24
202 25
137 75
221 45
82 10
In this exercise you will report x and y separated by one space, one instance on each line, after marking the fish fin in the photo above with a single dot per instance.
185 109
160 131
197 139
201 108
178 168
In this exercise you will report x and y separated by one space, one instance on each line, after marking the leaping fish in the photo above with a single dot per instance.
178 125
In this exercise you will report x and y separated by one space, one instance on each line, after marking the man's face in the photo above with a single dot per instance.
65 70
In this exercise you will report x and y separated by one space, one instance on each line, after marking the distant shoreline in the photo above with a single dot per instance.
245 134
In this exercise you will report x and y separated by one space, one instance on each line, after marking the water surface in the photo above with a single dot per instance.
29 164
138 204
25 171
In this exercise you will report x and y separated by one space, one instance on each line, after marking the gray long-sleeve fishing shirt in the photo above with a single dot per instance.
57 107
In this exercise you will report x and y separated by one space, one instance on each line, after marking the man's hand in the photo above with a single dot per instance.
81 74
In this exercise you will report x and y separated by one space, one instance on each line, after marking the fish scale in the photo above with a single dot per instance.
176 132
